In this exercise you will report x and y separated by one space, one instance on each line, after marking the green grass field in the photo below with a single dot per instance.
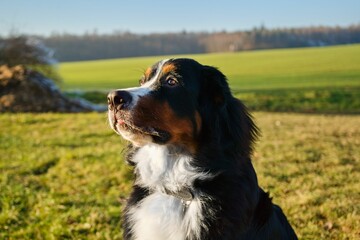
257 70
62 176
323 80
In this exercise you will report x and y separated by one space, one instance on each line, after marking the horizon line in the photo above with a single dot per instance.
95 31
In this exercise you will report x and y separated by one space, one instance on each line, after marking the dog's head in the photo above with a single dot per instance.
181 103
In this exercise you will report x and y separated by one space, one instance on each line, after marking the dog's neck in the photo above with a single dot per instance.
173 200
160 168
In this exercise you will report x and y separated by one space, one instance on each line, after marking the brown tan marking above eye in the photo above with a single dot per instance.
147 73
168 68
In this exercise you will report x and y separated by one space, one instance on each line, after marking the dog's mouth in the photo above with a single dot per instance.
123 124
130 127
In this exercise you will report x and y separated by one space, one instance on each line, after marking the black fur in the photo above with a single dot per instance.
239 208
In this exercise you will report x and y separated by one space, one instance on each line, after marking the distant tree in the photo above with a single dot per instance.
30 53
93 45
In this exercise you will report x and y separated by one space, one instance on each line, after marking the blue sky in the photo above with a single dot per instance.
106 16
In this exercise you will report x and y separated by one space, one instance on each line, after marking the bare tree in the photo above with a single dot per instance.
30 53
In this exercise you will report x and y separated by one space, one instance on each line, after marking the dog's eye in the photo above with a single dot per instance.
171 82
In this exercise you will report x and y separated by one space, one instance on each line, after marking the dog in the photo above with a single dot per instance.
190 144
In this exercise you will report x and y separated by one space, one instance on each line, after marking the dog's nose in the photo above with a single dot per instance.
119 99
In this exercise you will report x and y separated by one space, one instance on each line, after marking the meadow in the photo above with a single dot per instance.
63 176
256 70
322 80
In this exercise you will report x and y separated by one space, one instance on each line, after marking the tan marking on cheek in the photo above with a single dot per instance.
181 129
160 115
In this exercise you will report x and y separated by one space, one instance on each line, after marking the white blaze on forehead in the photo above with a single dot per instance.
137 92
156 75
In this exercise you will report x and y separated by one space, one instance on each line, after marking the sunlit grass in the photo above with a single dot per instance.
337 66
323 80
62 176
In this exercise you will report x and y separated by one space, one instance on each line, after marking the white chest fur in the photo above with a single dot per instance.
161 216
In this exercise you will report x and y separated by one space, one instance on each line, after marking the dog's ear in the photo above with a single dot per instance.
215 83
226 119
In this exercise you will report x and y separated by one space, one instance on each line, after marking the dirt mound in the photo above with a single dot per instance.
22 90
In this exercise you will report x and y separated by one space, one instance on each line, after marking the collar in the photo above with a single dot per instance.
184 194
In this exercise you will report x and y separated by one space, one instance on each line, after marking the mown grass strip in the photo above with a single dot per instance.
344 100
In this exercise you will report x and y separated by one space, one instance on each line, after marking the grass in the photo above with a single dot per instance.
318 100
323 80
257 70
62 176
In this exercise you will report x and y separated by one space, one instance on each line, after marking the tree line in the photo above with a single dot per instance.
91 46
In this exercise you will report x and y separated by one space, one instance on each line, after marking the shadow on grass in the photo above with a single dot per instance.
344 100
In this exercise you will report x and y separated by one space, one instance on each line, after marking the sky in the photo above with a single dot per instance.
45 17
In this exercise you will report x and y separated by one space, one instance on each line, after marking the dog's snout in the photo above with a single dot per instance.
119 99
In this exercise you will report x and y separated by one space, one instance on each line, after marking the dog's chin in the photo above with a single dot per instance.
140 136
137 139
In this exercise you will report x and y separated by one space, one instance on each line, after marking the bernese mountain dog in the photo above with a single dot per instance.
190 145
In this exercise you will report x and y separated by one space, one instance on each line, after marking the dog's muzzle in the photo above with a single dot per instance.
119 100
